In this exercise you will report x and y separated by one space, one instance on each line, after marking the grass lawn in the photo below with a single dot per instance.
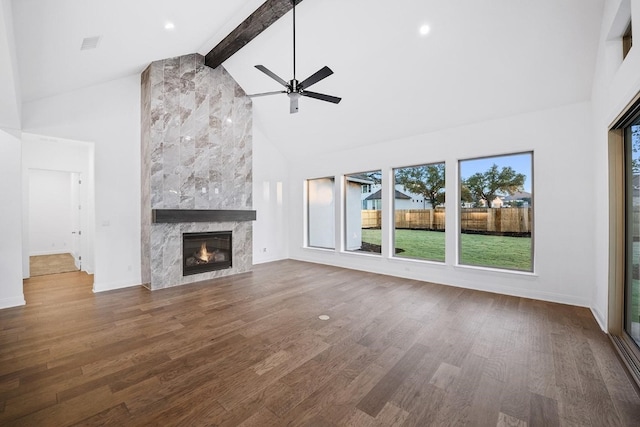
496 251
421 244
487 251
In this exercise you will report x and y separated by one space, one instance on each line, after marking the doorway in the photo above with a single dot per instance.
624 277
58 205
631 310
54 222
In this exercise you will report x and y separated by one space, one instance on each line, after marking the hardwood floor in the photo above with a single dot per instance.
250 350
40 265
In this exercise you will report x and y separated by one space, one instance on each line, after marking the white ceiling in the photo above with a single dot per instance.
483 59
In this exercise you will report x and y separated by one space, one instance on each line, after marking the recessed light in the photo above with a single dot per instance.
169 26
424 30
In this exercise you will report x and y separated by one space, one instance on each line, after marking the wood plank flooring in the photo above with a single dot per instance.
250 350
40 265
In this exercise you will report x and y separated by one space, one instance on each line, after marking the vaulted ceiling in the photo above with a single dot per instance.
482 59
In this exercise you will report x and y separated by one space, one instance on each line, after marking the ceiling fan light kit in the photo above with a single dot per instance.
294 88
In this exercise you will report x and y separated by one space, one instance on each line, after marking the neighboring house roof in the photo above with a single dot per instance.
378 195
361 178
517 196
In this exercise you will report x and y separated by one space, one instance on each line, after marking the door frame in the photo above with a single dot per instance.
624 345
63 155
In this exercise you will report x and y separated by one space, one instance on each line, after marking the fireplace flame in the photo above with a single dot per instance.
203 254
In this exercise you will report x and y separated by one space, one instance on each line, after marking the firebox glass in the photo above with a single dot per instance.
207 251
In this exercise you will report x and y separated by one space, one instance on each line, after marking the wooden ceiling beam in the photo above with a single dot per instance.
257 22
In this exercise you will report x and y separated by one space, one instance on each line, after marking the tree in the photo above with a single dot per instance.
427 180
465 194
375 176
487 185
635 148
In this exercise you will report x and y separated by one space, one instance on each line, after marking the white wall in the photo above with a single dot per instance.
107 115
10 174
270 200
615 84
10 221
10 103
561 140
50 214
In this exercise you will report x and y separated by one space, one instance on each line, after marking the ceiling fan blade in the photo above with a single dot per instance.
321 96
271 74
293 104
322 73
255 95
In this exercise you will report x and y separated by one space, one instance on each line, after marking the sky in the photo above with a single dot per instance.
521 163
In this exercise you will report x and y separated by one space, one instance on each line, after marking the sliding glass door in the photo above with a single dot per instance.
631 315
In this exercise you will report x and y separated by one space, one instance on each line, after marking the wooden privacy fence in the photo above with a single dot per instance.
473 220
427 219
496 220
371 219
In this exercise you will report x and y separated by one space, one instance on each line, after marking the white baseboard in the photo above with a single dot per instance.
12 302
59 252
104 287
600 319
267 259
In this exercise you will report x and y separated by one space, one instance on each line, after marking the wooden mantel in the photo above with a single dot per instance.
200 215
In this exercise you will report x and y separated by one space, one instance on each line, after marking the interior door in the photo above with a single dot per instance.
76 219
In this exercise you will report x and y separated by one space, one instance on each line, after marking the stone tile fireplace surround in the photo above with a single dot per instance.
196 155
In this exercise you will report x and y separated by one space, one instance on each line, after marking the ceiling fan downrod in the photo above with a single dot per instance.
293 88
294 38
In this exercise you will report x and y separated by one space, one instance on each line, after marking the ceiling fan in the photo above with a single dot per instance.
294 88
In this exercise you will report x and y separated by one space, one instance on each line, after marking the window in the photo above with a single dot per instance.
627 41
632 202
419 214
496 212
321 213
362 213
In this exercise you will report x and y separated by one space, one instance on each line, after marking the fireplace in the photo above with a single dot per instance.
209 251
